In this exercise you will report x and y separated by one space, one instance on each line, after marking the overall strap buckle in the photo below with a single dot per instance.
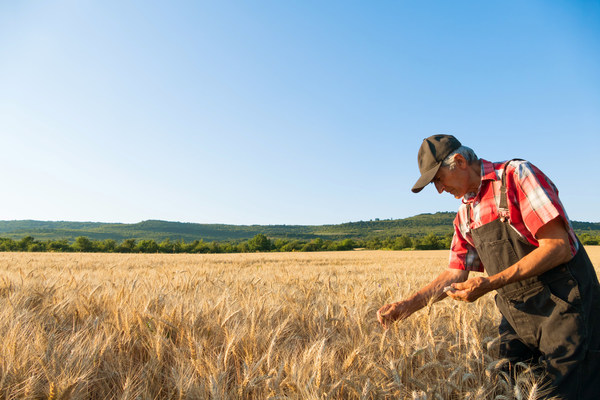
468 214
503 206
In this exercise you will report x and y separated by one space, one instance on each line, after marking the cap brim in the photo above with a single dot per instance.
426 178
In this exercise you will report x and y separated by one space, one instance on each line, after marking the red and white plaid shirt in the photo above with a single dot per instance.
532 202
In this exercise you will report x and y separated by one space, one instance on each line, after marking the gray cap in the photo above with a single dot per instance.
433 151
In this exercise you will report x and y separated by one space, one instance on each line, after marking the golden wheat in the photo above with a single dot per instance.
251 326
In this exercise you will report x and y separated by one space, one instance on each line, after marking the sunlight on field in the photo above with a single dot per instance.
281 325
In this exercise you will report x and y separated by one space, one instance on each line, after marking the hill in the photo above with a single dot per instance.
439 223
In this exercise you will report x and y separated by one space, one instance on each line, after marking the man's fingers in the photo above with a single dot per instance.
382 315
383 323
384 311
456 294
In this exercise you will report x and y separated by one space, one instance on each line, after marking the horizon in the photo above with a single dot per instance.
273 113
218 223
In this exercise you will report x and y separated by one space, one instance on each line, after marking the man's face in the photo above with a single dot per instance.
454 181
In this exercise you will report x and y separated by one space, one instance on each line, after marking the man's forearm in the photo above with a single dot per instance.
435 289
535 263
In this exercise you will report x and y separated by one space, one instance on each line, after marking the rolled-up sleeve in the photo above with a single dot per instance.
463 255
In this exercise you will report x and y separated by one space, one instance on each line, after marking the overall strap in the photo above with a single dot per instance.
468 207
503 206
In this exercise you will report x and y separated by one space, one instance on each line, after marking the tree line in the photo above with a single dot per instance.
259 243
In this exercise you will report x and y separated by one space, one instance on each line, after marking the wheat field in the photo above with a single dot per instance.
242 326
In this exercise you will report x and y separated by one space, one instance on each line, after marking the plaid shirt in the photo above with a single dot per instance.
532 202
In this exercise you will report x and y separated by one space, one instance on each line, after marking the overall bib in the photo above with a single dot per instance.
552 319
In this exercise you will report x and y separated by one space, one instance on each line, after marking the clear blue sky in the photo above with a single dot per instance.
286 112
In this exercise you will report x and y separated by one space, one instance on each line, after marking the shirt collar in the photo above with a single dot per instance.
488 173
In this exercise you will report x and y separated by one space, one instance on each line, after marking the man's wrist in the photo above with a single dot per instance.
495 282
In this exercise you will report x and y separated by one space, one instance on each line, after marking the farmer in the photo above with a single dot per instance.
512 224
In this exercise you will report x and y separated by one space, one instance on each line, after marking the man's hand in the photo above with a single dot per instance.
392 312
470 290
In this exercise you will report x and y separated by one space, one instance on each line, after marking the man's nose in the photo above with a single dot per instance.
439 187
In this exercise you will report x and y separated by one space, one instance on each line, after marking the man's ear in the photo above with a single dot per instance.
460 161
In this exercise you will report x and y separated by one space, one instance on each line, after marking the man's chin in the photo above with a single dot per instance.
456 196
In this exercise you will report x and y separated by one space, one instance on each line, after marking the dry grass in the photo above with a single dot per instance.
297 326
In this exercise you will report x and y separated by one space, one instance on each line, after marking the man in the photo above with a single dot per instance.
512 224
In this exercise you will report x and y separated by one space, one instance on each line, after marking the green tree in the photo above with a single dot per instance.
127 246
294 245
589 240
446 241
58 246
215 247
107 246
279 243
166 246
147 246
83 244
259 243
243 247
7 244
36 247
200 247
179 246
319 244
313 245
430 242
346 244
229 248
24 243
402 242
374 244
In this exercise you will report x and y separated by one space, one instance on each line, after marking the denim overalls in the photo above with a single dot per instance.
552 319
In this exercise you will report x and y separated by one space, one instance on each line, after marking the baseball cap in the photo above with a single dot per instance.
433 151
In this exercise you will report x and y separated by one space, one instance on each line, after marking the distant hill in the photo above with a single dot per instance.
439 223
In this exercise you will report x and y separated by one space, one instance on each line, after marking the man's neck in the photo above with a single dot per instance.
475 176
